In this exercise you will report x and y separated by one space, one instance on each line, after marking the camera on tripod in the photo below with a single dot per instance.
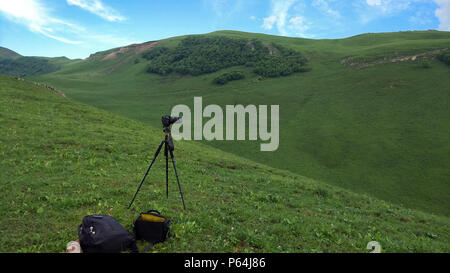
167 120
169 147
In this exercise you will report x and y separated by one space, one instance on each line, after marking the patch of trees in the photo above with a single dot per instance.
228 77
277 66
445 57
197 55
26 66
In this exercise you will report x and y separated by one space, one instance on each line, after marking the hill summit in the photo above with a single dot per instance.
6 53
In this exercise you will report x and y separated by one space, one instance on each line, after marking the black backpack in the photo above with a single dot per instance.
102 233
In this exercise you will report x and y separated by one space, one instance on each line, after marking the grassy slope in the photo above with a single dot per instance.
8 54
381 130
13 64
61 160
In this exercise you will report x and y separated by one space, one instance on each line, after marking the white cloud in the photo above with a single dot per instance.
33 15
38 19
285 17
218 6
373 2
378 8
324 7
98 8
278 15
370 10
390 6
443 14
268 22
225 9
299 25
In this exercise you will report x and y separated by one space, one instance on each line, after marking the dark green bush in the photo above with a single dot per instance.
197 55
445 57
227 77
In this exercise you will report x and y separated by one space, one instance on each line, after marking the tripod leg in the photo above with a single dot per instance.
148 170
178 180
167 170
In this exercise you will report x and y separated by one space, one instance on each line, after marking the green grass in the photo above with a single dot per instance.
19 66
382 130
61 160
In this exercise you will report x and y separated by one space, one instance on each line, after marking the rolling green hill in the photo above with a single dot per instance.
371 116
61 160
6 53
14 64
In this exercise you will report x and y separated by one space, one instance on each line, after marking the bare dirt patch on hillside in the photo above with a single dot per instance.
135 48
360 63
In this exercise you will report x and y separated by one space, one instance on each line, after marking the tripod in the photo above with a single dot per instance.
168 149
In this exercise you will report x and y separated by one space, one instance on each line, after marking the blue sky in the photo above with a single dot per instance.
78 28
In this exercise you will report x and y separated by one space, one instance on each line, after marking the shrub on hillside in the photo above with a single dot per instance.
277 66
197 55
227 77
445 57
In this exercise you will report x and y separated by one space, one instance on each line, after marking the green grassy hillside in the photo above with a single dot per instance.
14 64
6 53
371 116
61 160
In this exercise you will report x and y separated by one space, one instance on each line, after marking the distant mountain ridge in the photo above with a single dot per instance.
6 53
14 64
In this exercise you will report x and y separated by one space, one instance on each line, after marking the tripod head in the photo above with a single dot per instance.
167 121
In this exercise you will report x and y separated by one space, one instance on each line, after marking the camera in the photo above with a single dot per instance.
167 120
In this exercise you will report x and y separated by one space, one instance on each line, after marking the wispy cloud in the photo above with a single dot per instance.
389 6
225 9
421 18
443 14
284 15
33 15
38 19
299 25
98 8
218 6
268 22
374 9
278 16
373 2
325 7
383 8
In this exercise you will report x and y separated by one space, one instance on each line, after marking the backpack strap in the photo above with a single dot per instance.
153 210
